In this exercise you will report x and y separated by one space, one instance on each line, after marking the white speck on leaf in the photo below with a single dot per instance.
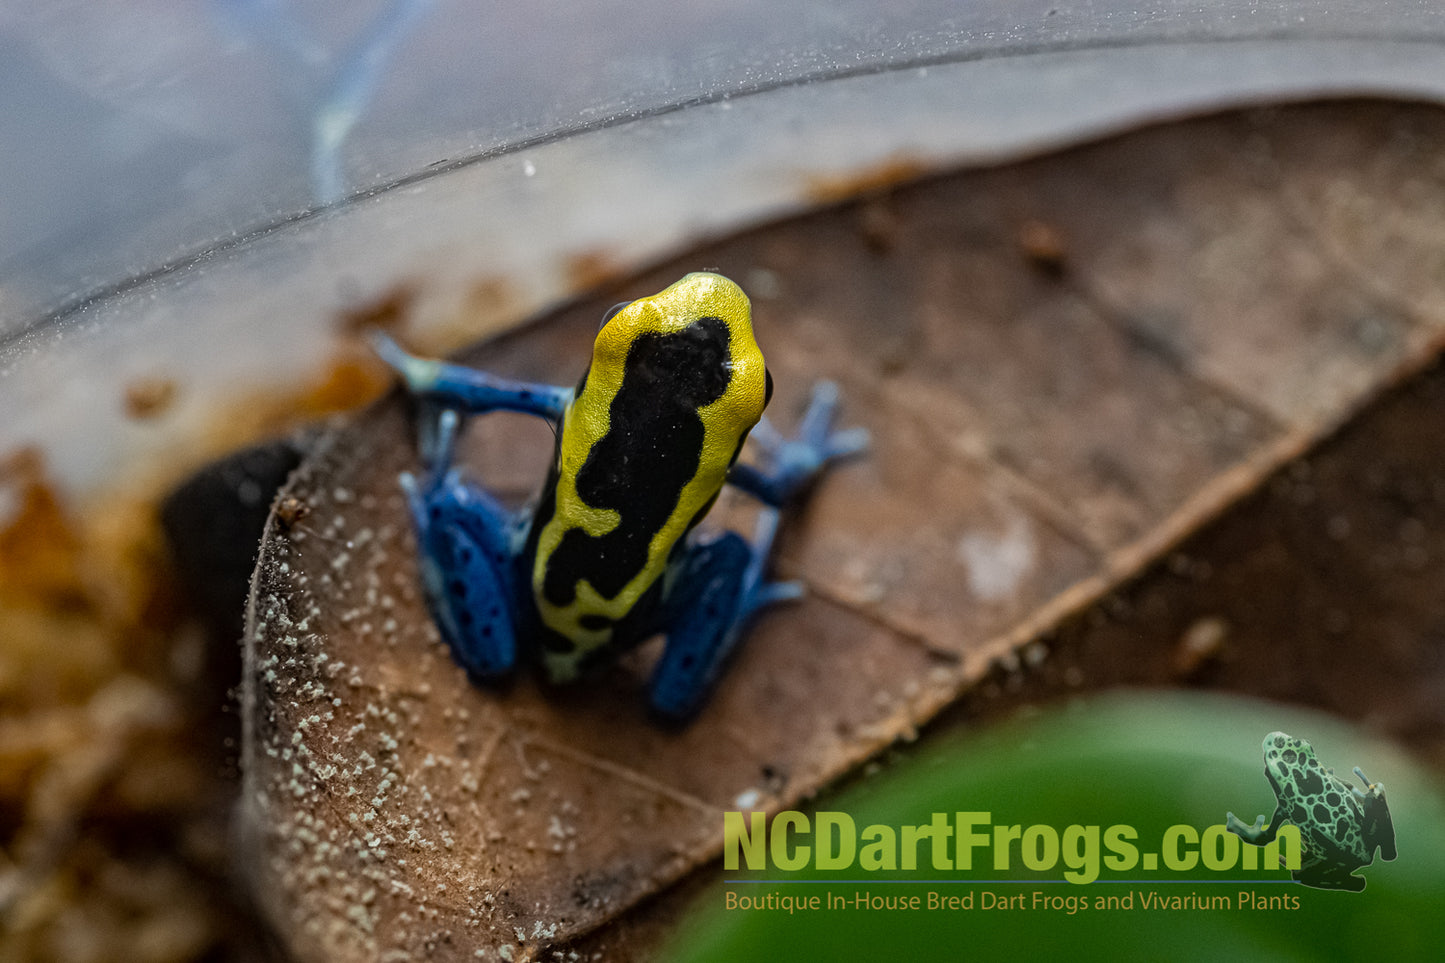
997 563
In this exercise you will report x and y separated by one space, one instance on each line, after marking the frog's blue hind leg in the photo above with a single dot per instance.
466 543
721 582
719 588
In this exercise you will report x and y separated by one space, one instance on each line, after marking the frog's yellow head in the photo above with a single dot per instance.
693 340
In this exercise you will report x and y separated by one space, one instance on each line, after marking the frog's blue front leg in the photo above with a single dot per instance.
439 385
466 546
721 582
791 464
467 389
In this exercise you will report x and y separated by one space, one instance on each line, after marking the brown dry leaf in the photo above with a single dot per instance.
1218 295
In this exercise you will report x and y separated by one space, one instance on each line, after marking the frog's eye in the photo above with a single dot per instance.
612 313
767 387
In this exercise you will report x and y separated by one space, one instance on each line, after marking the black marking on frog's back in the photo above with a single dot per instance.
650 452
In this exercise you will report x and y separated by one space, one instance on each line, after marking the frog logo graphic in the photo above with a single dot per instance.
1340 825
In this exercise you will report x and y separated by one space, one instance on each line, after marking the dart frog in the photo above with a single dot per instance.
1340 826
607 557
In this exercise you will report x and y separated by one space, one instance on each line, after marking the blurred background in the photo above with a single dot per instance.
196 190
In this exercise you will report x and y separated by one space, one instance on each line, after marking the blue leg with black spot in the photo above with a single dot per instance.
466 546
719 589
722 581
468 390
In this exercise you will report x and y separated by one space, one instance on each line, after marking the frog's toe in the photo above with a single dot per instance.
817 435
418 374
386 347
818 419
436 439
771 593
848 442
